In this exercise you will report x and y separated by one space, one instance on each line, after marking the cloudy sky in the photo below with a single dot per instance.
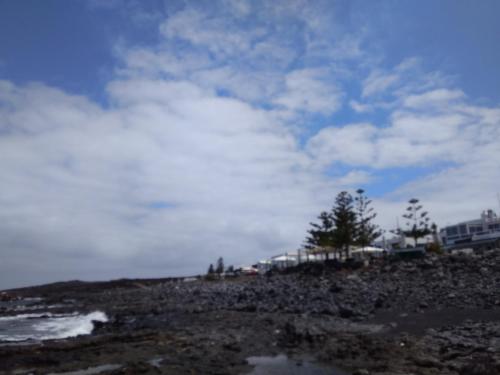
147 138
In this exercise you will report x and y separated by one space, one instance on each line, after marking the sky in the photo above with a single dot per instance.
148 138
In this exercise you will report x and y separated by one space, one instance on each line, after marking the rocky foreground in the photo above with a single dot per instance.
437 315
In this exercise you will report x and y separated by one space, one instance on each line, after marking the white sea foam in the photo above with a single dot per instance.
25 316
48 326
36 307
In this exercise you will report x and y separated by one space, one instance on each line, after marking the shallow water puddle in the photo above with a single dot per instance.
156 362
90 370
282 365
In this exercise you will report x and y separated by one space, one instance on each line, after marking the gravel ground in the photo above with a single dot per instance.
437 315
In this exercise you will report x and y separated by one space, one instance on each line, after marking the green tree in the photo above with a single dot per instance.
219 269
344 221
417 221
366 231
211 269
321 235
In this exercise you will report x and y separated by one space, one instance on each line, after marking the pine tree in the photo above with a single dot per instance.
344 220
321 234
220 266
366 231
211 269
417 221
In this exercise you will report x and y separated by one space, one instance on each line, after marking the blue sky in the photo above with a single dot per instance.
137 136
68 45
73 42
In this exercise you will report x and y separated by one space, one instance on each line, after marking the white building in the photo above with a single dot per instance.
389 244
482 231
400 242
264 265
286 260
367 252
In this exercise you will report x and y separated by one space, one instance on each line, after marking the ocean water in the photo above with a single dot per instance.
20 305
47 326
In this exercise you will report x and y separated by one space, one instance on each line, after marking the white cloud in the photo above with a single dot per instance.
350 144
389 88
452 195
239 8
308 90
425 128
200 153
80 181
243 85
436 98
217 34
355 178
436 127
440 127
195 157
146 62
378 82
360 107
217 50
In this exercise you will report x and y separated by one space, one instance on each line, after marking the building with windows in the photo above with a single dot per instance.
482 232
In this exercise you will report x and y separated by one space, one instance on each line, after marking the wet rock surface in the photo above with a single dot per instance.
436 315
6 297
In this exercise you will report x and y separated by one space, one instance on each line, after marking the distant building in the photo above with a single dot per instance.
284 261
484 231
367 252
389 244
264 265
287 260
400 242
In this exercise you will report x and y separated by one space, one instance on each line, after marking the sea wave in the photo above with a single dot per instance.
47 326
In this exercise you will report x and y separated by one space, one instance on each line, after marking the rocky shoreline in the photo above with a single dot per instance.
436 315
